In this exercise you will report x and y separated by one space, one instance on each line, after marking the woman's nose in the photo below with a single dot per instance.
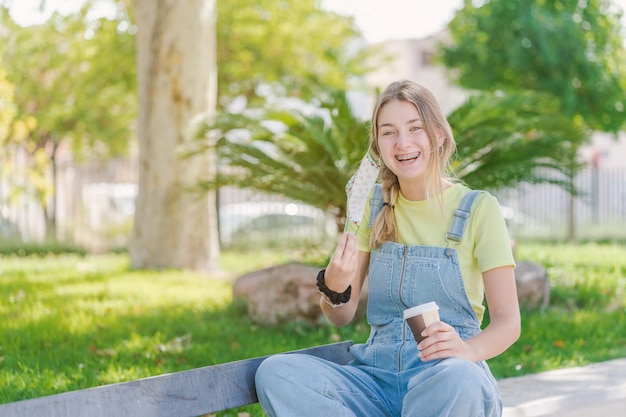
402 139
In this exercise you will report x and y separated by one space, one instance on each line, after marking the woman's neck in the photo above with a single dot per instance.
419 192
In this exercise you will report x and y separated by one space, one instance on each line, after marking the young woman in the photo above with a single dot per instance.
423 237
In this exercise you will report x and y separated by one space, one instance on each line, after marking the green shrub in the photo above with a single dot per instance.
40 249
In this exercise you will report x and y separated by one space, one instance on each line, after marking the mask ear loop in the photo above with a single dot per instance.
359 188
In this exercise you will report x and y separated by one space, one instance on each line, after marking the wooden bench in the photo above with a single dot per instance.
189 393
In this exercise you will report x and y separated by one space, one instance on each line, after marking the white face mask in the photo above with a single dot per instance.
359 187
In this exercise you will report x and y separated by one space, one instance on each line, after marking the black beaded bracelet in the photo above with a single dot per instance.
335 298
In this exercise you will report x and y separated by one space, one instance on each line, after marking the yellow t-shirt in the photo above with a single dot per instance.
485 244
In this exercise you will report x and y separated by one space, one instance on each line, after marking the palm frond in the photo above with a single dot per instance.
306 157
504 140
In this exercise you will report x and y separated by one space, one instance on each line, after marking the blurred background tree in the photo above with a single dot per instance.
571 49
14 135
177 73
75 76
282 48
265 51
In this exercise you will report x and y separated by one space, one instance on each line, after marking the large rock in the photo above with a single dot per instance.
283 294
280 294
533 286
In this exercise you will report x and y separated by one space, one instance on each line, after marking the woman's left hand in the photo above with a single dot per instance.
442 341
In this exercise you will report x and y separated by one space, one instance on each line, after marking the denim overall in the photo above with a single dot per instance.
387 378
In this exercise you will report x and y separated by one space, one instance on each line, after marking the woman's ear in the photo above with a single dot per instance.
441 136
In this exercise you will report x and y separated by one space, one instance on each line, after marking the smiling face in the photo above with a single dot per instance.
413 141
404 146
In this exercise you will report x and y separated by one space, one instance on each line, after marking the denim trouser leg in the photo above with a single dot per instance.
316 387
453 388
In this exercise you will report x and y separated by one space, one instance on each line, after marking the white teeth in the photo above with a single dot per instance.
408 156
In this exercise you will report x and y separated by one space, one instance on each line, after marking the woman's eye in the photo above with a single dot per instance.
387 133
416 128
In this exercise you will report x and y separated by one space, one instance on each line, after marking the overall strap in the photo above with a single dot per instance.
376 203
461 216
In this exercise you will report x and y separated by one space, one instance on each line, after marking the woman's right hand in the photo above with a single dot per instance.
343 265
348 266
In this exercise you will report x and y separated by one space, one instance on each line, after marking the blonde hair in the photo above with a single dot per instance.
435 124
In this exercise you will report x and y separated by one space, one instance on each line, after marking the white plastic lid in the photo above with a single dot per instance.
420 309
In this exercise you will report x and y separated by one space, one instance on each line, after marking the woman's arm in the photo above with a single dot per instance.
505 323
503 330
348 266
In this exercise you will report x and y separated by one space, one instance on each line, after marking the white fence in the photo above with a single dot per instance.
95 208
545 211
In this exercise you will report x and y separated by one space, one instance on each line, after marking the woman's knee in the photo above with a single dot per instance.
269 369
473 375
453 387
456 367
465 378
280 369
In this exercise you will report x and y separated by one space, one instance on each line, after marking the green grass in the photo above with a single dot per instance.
72 322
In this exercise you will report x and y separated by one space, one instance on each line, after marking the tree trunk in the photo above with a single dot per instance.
50 207
177 77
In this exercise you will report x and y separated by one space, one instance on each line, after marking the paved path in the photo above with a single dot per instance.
593 390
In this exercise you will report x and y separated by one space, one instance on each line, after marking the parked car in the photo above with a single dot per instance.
272 223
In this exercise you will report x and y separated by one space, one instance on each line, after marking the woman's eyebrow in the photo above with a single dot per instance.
408 123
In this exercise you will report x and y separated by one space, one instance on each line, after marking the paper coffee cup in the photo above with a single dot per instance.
420 317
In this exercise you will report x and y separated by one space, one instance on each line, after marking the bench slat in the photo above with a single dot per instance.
187 393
